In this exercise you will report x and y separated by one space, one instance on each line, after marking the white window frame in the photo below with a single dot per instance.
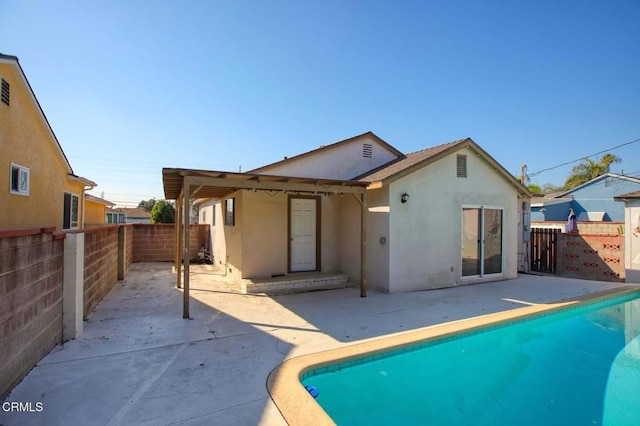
22 171
71 221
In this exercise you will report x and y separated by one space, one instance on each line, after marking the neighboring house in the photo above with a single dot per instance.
440 217
38 187
591 201
96 209
631 235
128 215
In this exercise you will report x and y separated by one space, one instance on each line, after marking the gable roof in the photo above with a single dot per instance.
99 200
606 175
416 160
13 60
325 148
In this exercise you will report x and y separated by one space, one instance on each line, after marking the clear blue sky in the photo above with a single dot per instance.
132 86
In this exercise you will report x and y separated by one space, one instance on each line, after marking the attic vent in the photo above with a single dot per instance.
461 166
367 150
5 92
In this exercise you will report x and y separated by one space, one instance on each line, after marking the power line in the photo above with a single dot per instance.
582 158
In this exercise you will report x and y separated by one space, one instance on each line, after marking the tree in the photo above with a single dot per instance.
535 188
588 169
163 212
147 205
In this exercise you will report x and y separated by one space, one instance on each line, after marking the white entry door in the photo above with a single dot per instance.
303 234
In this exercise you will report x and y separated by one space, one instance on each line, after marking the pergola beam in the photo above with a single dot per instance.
276 186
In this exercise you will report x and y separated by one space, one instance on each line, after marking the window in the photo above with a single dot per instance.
19 179
116 218
461 166
204 216
70 211
229 212
5 92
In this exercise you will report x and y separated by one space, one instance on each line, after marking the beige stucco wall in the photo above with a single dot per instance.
426 232
95 213
207 215
341 162
378 239
25 140
257 246
632 241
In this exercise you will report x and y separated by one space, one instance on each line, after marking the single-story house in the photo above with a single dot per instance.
591 201
440 217
631 235
128 215
96 209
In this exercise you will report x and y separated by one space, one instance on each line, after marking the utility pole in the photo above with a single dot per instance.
523 173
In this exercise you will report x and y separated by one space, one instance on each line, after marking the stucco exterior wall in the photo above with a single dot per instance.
378 241
598 197
233 260
349 237
426 232
207 215
25 140
341 162
95 213
632 241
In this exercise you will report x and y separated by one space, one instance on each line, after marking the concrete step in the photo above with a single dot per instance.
296 283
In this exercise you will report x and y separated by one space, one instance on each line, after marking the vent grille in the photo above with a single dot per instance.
461 166
5 92
367 150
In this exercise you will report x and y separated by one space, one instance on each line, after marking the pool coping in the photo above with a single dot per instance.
298 407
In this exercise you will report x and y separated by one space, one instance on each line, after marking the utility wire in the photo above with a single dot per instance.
582 158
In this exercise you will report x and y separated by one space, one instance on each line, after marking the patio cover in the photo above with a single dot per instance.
183 185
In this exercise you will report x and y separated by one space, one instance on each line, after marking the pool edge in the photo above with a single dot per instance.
298 407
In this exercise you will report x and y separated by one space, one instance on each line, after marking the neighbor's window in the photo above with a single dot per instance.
19 179
229 212
70 211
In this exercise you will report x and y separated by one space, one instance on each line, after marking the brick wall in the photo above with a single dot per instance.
100 265
591 256
156 243
31 277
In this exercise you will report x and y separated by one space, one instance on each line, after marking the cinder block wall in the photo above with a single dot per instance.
156 242
589 227
31 276
100 265
591 256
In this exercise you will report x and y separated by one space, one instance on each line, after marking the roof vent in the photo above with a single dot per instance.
5 91
461 166
367 150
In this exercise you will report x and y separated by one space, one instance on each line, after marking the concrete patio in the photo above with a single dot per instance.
139 362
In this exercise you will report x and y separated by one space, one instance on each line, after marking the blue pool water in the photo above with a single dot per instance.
580 366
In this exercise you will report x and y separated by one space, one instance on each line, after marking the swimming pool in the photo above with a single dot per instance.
552 364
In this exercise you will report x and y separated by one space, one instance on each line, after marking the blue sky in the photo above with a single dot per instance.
132 86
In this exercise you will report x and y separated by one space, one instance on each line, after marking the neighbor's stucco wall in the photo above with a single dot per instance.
378 242
341 162
425 233
96 213
632 241
25 140
598 197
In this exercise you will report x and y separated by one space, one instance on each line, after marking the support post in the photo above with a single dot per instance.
178 244
363 245
186 244
73 286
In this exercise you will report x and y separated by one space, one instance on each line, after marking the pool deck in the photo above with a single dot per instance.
139 362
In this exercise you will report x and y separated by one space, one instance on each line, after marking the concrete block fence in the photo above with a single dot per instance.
50 282
591 256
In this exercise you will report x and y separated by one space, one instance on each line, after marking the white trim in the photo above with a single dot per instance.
71 211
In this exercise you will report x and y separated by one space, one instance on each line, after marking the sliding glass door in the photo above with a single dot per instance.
481 241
